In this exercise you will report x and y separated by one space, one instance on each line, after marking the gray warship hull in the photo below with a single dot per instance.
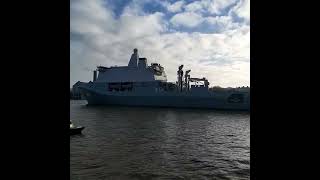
177 100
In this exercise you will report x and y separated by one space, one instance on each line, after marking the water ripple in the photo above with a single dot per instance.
159 143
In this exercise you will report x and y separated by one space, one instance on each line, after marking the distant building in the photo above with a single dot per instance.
75 92
237 89
244 89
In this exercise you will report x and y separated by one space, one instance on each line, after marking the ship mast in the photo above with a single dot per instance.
180 75
134 59
187 76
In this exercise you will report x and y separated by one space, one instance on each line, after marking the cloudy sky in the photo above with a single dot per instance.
210 37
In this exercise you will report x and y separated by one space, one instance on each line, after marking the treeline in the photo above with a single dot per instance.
218 88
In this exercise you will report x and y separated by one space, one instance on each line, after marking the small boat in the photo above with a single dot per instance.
75 130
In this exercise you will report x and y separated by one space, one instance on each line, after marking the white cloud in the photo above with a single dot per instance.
175 7
194 21
89 17
98 38
242 10
172 7
221 23
215 7
188 19
195 6
134 8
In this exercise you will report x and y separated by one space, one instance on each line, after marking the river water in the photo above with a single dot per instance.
158 143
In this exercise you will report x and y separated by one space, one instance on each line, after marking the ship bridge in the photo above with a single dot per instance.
136 71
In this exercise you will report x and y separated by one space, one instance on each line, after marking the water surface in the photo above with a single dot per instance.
159 143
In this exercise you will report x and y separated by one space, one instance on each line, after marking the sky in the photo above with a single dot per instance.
210 37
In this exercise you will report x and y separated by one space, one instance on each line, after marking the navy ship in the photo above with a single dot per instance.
139 84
